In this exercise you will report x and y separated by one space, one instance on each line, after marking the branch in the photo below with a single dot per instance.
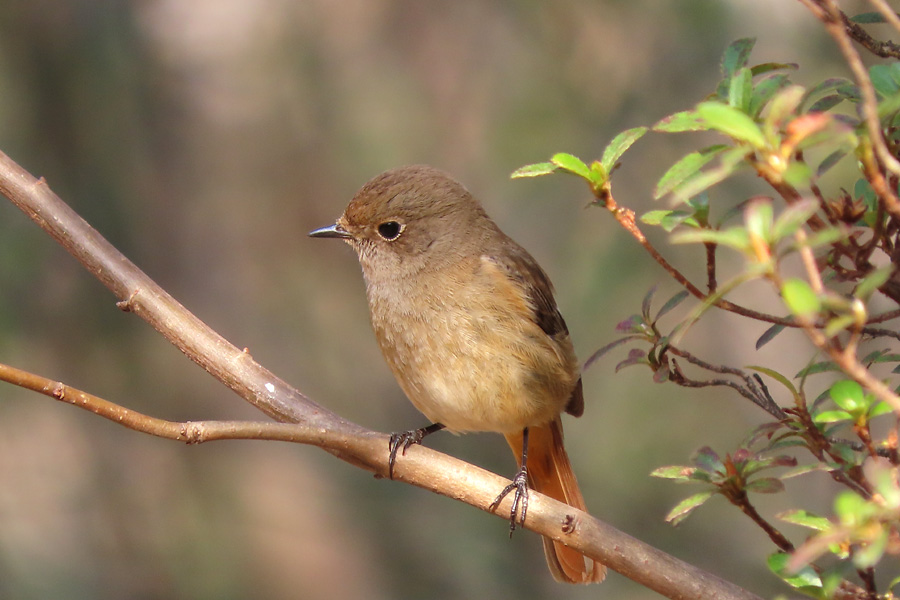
314 424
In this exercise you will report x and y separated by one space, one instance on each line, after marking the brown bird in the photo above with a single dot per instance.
467 322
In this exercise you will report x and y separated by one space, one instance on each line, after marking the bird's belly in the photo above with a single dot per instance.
473 373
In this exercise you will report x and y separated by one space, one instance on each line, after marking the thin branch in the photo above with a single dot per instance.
235 368
833 19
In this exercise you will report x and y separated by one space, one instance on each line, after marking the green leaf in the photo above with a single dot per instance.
776 376
880 408
826 103
736 55
758 216
873 281
793 218
686 120
765 485
829 161
740 89
868 17
838 324
619 145
804 578
668 219
734 237
764 90
572 164
832 416
732 122
883 80
848 395
731 161
672 303
819 367
797 174
686 168
784 105
825 86
535 170
769 335
805 519
684 508
852 509
800 298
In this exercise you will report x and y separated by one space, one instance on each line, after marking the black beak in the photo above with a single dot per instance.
332 231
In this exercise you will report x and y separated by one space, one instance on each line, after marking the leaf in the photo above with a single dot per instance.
734 237
832 416
880 408
707 459
635 357
740 89
797 174
619 145
777 377
883 81
730 162
829 161
848 395
838 324
819 367
805 519
805 577
645 304
736 55
868 17
686 120
793 218
572 164
535 170
602 351
867 555
679 472
826 103
800 298
684 508
672 303
769 335
765 485
732 122
669 219
764 90
686 168
872 282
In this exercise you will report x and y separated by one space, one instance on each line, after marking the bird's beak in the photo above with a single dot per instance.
332 231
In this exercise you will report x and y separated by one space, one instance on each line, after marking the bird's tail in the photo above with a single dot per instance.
550 473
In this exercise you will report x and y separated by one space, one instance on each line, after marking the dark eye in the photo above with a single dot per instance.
389 230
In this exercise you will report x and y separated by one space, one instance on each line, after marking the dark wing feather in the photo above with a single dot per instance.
521 266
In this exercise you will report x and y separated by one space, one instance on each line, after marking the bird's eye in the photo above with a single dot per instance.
390 230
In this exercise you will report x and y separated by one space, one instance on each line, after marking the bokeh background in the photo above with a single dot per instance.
204 139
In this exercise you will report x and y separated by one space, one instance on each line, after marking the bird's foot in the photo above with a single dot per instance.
404 439
519 489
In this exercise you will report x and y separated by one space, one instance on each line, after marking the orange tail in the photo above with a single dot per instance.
550 473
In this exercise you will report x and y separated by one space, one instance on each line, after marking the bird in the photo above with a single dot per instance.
467 322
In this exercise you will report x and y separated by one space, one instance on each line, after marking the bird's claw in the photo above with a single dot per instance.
519 486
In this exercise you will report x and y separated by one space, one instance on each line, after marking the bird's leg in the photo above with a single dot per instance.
405 439
520 486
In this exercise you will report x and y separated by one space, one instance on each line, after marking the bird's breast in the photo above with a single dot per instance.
467 352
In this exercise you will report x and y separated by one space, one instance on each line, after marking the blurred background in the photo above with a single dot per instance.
204 139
